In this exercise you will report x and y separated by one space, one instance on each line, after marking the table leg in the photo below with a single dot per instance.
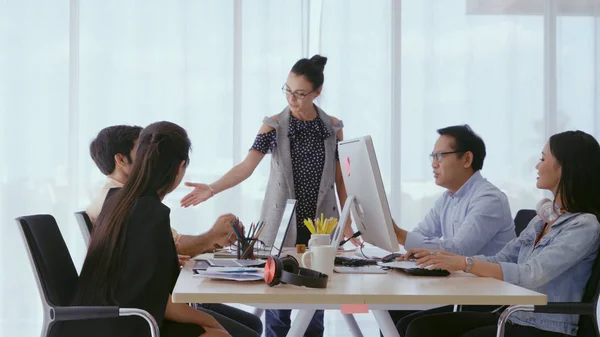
385 322
258 311
300 323
352 325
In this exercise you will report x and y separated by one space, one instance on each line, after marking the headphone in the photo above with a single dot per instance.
548 210
287 270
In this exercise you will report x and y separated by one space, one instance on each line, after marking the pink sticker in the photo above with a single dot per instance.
347 166
355 309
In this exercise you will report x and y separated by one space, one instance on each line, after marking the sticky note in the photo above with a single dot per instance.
355 309
347 166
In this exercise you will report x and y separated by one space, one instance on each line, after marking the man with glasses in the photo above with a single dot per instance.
472 217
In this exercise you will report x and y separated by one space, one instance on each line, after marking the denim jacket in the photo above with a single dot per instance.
558 266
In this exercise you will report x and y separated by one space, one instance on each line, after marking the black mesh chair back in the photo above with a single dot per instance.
588 324
57 277
523 218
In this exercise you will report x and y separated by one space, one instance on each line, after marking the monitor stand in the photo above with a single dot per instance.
350 206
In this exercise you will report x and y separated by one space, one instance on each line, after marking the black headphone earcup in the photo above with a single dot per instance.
287 270
290 264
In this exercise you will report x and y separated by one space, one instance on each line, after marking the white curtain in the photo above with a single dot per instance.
517 71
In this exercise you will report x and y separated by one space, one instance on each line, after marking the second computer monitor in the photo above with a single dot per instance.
284 227
370 209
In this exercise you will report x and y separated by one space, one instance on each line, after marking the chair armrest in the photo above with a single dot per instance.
506 313
85 312
575 308
154 329
78 313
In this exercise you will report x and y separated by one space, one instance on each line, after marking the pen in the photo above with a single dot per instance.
235 230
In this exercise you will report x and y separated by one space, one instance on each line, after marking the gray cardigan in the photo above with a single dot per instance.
281 180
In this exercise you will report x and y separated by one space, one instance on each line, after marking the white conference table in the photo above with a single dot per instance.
378 293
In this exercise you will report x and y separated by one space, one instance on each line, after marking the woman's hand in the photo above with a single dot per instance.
348 232
411 253
201 193
438 259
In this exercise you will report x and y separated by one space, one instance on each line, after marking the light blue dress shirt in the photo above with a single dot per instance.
474 220
558 266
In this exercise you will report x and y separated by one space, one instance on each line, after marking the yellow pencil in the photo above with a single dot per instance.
309 225
331 225
322 222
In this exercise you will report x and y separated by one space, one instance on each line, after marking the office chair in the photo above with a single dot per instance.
588 320
523 218
85 225
56 277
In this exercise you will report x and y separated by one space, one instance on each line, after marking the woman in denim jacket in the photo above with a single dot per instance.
554 255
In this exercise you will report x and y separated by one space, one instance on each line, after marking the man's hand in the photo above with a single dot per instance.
183 259
222 231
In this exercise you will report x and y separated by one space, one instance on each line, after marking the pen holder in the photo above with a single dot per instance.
245 248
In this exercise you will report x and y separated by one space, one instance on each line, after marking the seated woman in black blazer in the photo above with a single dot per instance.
132 261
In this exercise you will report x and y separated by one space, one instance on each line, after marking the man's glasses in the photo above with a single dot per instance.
438 156
288 93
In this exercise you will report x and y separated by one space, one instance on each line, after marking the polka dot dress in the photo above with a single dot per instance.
307 144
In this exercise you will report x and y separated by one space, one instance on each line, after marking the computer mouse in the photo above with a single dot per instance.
391 257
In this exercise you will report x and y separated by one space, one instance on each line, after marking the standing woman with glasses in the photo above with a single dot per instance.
302 140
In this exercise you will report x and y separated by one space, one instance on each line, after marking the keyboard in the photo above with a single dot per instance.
410 267
360 270
235 263
353 262
426 272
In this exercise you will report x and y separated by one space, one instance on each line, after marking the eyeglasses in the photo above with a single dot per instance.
296 95
438 156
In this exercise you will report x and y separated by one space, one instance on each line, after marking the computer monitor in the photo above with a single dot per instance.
277 246
284 227
370 208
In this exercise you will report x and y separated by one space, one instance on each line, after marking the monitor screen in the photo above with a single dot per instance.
284 226
362 178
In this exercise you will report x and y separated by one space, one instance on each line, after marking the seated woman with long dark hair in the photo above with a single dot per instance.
554 255
131 260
